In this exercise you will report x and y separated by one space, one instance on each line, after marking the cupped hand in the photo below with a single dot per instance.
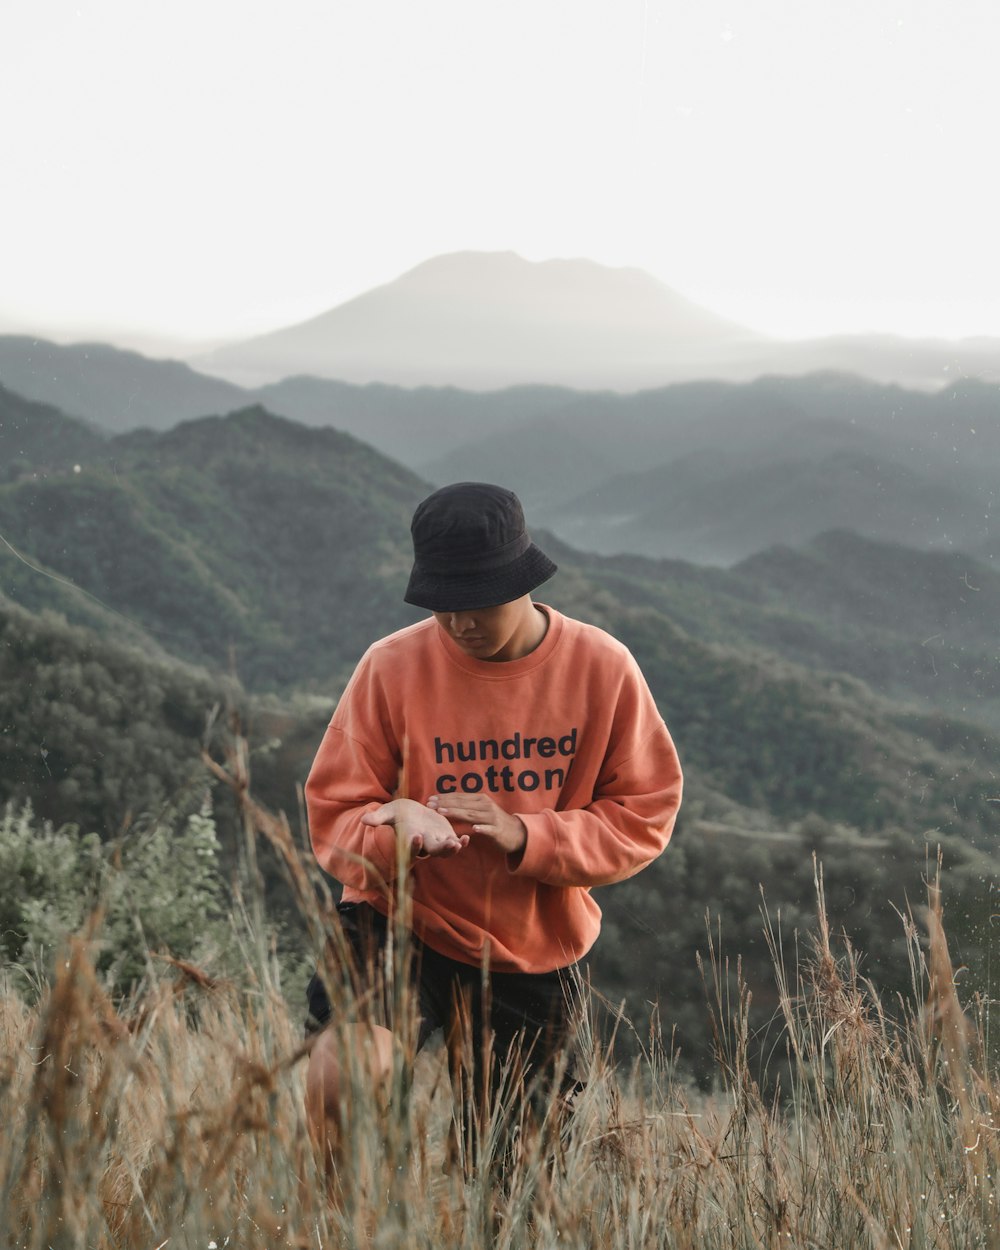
424 831
508 832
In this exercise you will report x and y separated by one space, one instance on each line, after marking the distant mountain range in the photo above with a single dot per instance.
480 322
704 471
123 390
713 472
253 541
485 321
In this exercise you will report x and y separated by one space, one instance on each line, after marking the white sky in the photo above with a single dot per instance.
211 168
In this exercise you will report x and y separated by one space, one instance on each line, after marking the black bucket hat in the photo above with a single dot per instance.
471 550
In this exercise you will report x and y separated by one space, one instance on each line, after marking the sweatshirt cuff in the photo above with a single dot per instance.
541 850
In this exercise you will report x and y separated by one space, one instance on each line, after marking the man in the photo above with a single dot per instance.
483 770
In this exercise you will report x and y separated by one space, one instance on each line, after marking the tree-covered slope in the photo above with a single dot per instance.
708 509
255 544
100 735
713 472
95 732
36 438
248 541
917 626
704 470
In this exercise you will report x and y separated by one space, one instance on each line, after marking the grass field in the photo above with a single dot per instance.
177 1120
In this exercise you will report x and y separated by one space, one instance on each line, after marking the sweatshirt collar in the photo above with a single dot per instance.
504 670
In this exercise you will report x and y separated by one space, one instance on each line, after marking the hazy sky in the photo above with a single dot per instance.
212 168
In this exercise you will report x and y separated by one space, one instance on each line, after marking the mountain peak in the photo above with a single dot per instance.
486 320
579 286
493 320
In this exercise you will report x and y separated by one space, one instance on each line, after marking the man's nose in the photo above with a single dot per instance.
462 622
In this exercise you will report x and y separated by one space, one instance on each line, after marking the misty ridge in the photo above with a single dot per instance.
744 442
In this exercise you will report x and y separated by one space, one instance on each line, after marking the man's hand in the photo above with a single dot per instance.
423 830
485 817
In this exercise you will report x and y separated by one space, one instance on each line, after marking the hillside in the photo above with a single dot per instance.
252 545
96 732
101 735
953 427
230 541
35 438
918 627
120 390
254 542
714 509
704 471
713 472
410 426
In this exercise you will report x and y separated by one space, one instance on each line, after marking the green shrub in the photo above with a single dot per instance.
157 889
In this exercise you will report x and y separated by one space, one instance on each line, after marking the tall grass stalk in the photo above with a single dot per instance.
177 1119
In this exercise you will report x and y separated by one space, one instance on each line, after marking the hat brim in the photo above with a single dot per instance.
439 592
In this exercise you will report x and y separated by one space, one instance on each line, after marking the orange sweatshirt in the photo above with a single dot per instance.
567 738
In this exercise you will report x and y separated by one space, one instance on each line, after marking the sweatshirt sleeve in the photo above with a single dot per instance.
633 811
356 769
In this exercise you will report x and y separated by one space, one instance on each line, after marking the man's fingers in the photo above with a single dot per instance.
380 816
464 809
446 849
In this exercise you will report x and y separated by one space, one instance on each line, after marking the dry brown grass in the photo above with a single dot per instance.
177 1121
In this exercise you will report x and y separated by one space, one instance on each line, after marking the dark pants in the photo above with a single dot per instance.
508 1034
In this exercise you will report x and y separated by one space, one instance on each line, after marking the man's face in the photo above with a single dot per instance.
505 632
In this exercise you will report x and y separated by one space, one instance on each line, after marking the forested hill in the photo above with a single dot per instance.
914 625
704 471
249 542
271 553
713 473
97 732
780 764
254 544
36 437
